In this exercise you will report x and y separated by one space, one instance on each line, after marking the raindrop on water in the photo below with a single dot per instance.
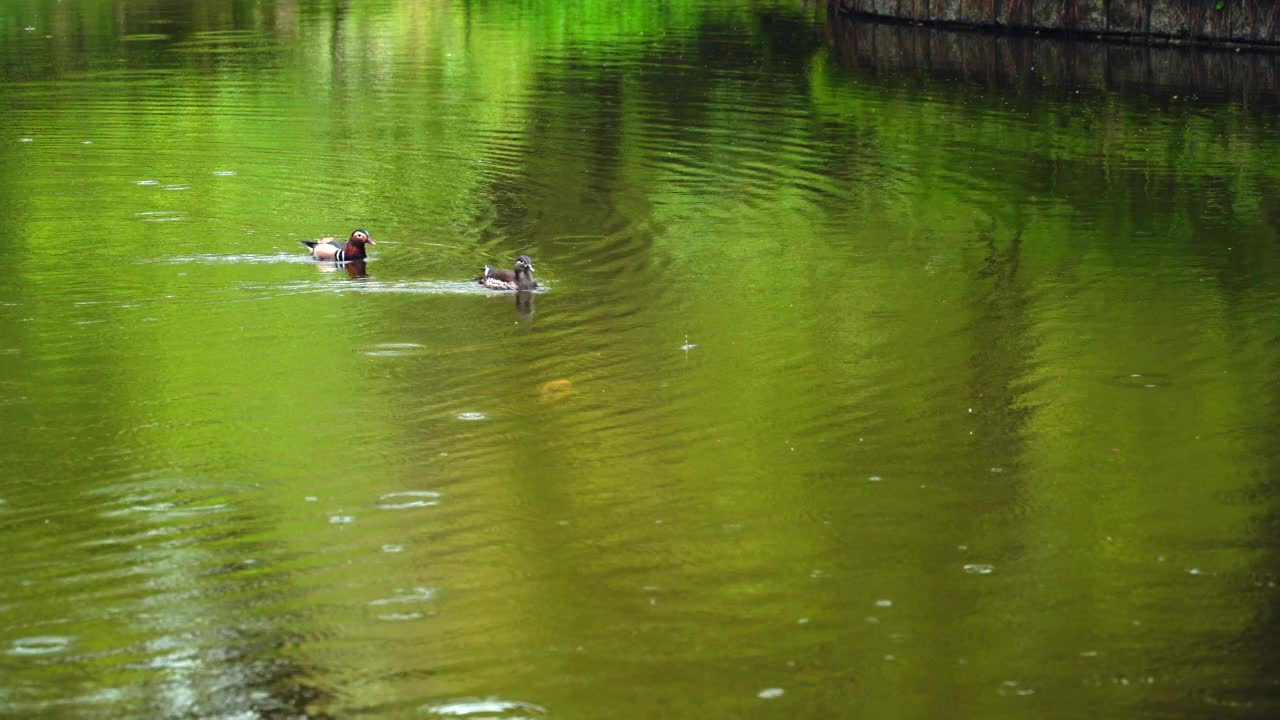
770 693
485 708
39 645
416 595
408 499
400 617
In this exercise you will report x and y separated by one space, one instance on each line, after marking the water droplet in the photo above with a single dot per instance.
884 603
484 709
147 182
400 617
39 645
472 416
342 519
392 548
770 693
392 349
311 498
408 499
224 173
418 594
979 569
26 140
874 478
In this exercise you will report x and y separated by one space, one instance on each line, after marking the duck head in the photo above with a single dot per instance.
357 241
524 266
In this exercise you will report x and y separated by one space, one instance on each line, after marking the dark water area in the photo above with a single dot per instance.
875 371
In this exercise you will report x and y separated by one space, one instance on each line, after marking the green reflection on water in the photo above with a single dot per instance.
900 394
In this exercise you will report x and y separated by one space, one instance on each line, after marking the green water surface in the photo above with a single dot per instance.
851 391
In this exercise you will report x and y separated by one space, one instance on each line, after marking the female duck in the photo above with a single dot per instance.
329 249
520 278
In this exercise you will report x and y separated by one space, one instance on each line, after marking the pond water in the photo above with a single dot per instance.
855 387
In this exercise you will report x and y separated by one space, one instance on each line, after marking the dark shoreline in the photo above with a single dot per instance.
1062 63
1238 24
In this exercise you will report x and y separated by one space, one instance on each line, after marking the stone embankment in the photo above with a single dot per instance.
1072 68
1249 23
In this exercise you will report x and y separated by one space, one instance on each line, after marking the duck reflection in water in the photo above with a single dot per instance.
355 269
524 304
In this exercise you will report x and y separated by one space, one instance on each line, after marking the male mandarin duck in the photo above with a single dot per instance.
521 278
329 249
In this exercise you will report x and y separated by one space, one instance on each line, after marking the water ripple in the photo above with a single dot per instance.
485 709
408 499
414 595
40 645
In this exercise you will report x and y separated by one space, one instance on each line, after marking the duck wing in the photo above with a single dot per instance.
497 274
